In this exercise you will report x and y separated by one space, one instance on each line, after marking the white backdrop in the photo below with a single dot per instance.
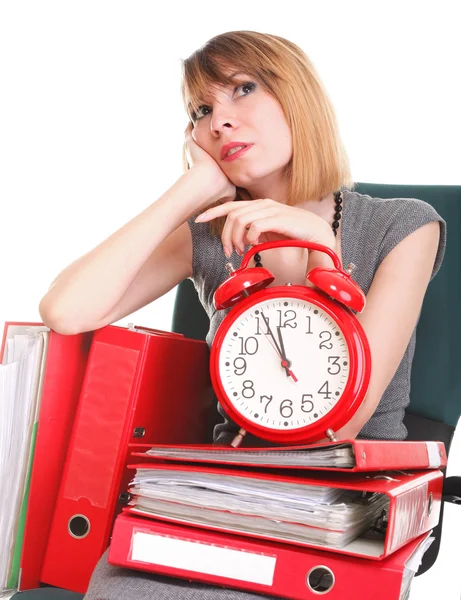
91 127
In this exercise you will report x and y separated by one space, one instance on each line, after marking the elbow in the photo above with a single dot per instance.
52 318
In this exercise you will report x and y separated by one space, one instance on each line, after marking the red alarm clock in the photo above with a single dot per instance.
290 364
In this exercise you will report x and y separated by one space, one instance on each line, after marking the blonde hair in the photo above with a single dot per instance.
319 164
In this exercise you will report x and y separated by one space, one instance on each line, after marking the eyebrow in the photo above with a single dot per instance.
232 77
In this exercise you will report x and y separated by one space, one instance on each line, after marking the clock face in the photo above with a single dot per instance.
292 379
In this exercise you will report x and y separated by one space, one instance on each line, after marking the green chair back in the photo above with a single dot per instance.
436 373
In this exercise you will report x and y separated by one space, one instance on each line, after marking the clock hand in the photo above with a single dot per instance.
279 351
285 365
272 344
276 346
266 321
282 346
285 362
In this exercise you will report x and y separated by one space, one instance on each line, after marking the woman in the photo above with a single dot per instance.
291 180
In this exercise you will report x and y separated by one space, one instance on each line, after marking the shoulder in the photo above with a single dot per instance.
384 211
385 222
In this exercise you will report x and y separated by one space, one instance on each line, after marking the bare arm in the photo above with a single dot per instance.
140 262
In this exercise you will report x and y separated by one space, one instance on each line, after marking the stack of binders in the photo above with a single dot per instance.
88 397
349 519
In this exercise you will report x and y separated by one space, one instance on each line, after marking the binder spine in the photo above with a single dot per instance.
87 498
254 565
414 512
64 370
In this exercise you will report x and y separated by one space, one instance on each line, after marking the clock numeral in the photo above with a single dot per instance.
248 390
308 317
243 366
307 405
269 400
286 408
258 328
288 319
325 342
247 345
325 390
334 360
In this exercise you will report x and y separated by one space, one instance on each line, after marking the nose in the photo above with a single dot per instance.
222 118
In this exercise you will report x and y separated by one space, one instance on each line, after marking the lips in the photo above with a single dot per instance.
225 149
237 153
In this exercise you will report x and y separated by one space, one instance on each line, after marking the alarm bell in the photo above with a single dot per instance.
339 286
335 282
241 283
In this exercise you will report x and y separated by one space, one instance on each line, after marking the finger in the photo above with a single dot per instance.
222 210
229 234
275 224
238 223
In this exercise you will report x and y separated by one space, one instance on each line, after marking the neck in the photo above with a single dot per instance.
324 208
272 187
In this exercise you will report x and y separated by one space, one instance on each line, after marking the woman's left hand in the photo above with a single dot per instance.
247 220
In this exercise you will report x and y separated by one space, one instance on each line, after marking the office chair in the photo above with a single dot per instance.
435 398
435 404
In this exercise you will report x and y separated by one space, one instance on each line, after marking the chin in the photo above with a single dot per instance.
251 177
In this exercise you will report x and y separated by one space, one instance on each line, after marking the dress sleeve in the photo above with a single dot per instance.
409 215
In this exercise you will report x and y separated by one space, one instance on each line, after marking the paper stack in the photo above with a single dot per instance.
21 376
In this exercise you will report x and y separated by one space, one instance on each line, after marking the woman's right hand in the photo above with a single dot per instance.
199 159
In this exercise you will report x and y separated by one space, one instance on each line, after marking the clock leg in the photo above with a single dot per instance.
331 434
238 438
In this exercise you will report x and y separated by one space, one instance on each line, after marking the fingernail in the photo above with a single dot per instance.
227 252
200 218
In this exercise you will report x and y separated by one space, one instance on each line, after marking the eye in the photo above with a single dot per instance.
249 85
196 116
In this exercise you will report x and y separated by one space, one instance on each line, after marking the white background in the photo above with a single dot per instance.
91 127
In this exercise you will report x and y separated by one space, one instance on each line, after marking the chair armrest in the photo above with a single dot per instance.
452 490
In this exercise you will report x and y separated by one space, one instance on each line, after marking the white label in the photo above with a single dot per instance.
203 558
433 455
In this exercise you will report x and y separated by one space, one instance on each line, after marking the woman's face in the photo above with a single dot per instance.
245 112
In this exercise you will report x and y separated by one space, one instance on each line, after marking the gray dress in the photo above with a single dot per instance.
371 228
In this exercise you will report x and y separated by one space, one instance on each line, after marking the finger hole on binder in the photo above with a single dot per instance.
320 580
79 526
